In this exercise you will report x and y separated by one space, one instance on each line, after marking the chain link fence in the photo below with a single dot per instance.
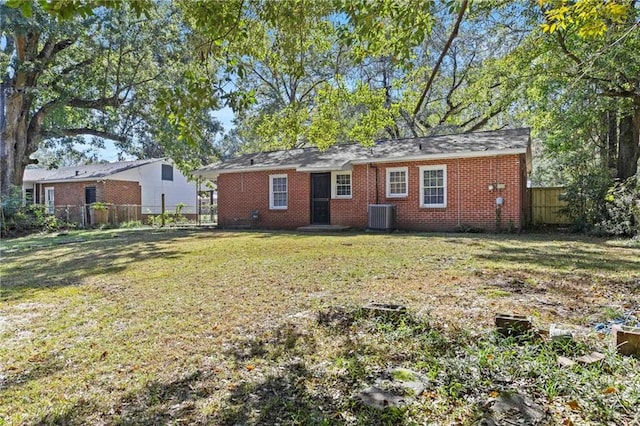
87 216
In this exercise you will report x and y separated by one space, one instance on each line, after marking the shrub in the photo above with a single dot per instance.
622 209
98 205
16 218
585 197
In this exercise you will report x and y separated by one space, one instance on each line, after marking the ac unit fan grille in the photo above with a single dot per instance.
382 216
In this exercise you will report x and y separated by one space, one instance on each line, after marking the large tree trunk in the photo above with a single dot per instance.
15 147
612 139
19 136
629 144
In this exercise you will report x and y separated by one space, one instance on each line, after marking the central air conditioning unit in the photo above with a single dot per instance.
382 217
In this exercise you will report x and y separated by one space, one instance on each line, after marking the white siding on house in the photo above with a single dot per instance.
179 190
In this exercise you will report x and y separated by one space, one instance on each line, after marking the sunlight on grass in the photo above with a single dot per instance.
251 327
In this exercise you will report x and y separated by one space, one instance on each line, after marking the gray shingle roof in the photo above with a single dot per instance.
84 172
339 157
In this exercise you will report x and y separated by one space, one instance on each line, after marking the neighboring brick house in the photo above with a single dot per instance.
133 189
437 183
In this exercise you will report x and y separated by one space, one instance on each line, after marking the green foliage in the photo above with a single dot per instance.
110 73
10 206
591 18
100 206
622 206
65 9
168 218
386 27
17 218
585 197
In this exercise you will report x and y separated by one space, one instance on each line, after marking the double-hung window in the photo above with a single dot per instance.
397 185
278 190
341 184
433 186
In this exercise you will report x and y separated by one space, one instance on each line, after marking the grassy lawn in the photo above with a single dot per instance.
211 327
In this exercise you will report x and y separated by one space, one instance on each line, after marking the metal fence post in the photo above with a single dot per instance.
162 213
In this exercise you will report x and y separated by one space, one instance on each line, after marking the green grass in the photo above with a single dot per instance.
178 326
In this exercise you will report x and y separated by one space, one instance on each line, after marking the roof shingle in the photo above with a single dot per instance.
83 172
340 157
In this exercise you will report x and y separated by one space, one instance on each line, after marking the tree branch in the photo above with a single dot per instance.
51 49
566 50
81 131
310 89
98 104
445 49
480 124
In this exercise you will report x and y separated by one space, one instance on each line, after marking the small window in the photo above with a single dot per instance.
341 184
278 192
167 172
433 186
397 182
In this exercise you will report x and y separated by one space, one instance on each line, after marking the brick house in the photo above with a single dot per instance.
133 189
437 183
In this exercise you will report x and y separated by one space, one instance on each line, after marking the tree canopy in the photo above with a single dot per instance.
149 75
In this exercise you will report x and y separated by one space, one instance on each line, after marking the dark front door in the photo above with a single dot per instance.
320 194
89 198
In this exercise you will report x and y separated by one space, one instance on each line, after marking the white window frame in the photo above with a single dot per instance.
334 184
390 170
271 193
442 167
50 202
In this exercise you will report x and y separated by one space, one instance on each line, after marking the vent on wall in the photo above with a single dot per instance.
382 216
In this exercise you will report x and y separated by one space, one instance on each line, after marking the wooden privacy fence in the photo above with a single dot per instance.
546 205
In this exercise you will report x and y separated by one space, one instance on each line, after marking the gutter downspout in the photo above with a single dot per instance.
375 166
368 186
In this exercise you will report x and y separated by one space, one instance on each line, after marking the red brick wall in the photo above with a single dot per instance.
108 191
121 192
241 193
116 192
469 201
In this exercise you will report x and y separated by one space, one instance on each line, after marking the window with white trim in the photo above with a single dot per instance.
397 185
433 186
341 184
278 186
49 199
